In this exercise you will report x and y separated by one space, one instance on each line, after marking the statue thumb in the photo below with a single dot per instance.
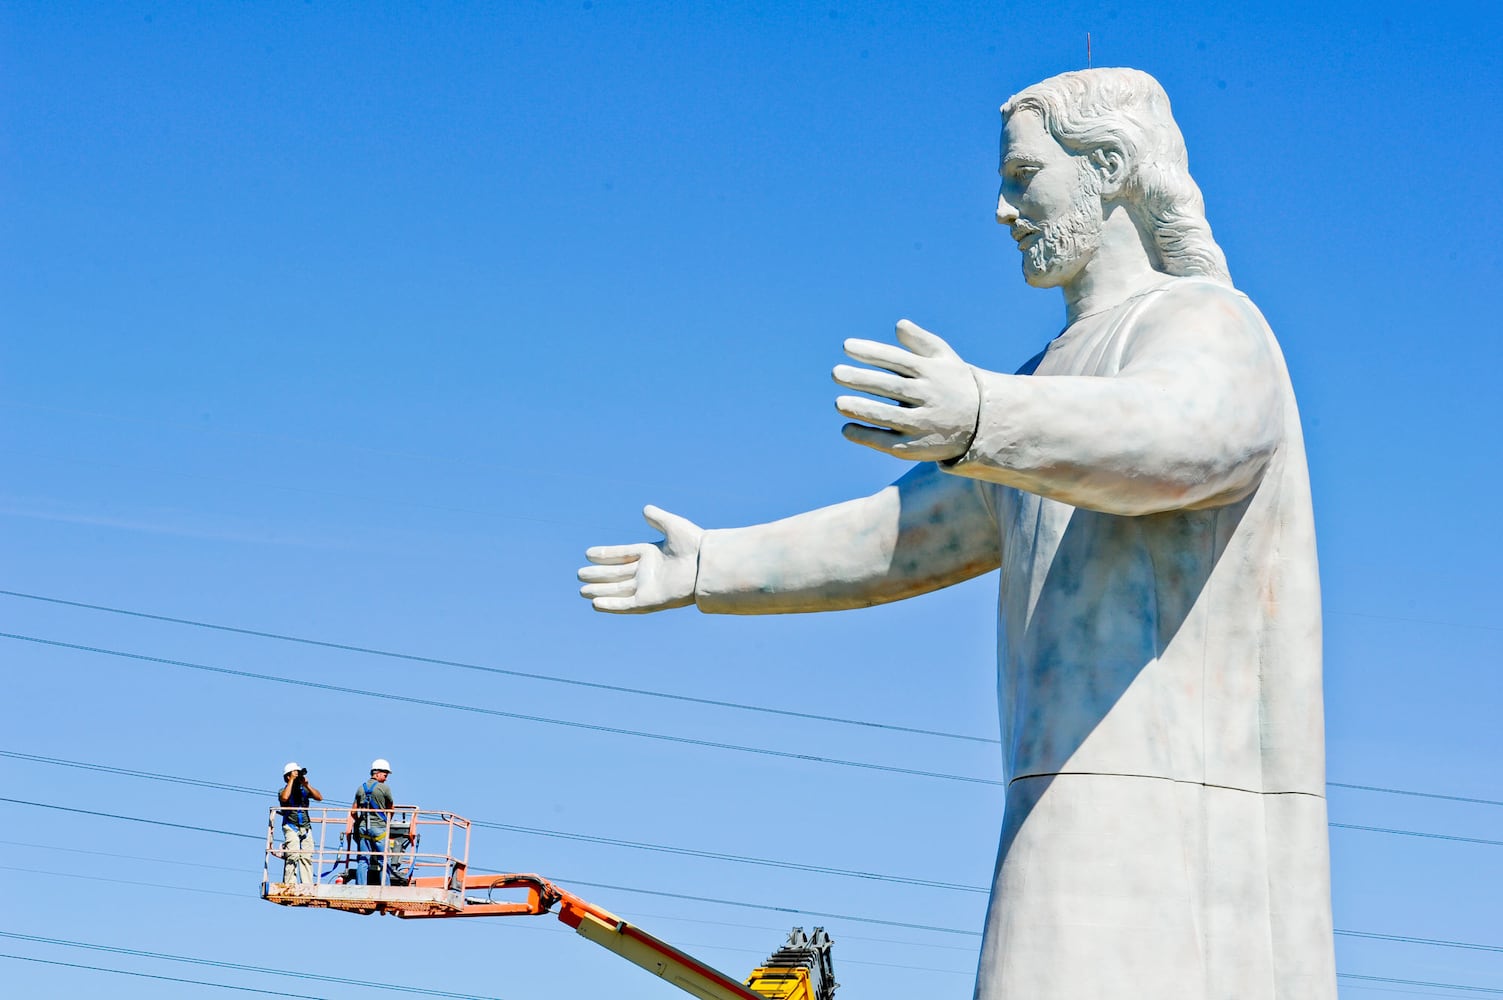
669 524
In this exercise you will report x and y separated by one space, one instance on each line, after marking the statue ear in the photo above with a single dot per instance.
1111 167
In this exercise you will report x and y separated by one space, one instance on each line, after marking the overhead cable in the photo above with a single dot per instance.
668 695
533 831
667 848
505 672
560 879
762 906
1415 982
1418 833
555 928
167 979
121 881
176 862
243 870
741 859
133 819
130 773
1416 794
238 966
1367 935
499 713
1433 942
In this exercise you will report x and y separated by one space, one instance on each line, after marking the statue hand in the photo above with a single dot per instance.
646 576
937 400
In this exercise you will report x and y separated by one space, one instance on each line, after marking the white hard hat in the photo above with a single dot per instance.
381 764
290 766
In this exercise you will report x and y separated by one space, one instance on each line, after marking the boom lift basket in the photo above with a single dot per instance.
419 872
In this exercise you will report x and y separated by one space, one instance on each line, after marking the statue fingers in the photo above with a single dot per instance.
608 573
880 355
619 605
877 383
620 588
871 411
611 555
874 437
922 342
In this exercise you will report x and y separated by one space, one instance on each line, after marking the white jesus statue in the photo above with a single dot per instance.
1141 486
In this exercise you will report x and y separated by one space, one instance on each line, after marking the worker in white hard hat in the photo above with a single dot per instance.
297 825
370 818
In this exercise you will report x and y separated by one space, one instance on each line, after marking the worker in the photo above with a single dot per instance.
370 816
297 825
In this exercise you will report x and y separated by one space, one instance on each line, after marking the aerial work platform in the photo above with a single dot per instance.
424 873
421 871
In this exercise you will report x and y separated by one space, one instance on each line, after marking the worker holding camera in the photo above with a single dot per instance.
297 826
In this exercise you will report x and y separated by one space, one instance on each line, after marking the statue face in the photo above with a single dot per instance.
1050 200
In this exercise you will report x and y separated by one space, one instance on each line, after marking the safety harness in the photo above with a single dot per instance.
295 813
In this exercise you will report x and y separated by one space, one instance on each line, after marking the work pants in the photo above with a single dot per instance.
297 853
372 866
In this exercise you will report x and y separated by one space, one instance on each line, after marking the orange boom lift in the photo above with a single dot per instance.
418 880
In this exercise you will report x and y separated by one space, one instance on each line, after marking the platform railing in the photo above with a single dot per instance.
420 848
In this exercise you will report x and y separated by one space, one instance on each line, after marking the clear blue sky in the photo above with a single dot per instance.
360 322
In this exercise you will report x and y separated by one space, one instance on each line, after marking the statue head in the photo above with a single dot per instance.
1116 125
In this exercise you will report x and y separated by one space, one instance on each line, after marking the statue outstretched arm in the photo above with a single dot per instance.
926 531
1191 419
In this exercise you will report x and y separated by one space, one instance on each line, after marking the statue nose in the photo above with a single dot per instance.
1006 214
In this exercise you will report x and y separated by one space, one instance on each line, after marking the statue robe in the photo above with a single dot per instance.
1142 486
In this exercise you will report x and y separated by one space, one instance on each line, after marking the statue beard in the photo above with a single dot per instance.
1065 243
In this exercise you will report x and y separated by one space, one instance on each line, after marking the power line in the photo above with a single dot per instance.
765 906
168 979
237 966
498 713
849 961
556 929
176 862
1366 935
134 819
1435 942
645 692
128 772
738 858
1398 992
1419 795
664 737
1349 987
667 848
534 831
637 914
1418 833
699 921
596 885
502 671
1416 982
123 881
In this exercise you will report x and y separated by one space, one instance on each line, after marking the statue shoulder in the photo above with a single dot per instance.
1197 318
1203 305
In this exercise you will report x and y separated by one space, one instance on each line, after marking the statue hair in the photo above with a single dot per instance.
1092 111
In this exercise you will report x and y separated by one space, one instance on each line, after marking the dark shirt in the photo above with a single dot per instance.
373 795
295 809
